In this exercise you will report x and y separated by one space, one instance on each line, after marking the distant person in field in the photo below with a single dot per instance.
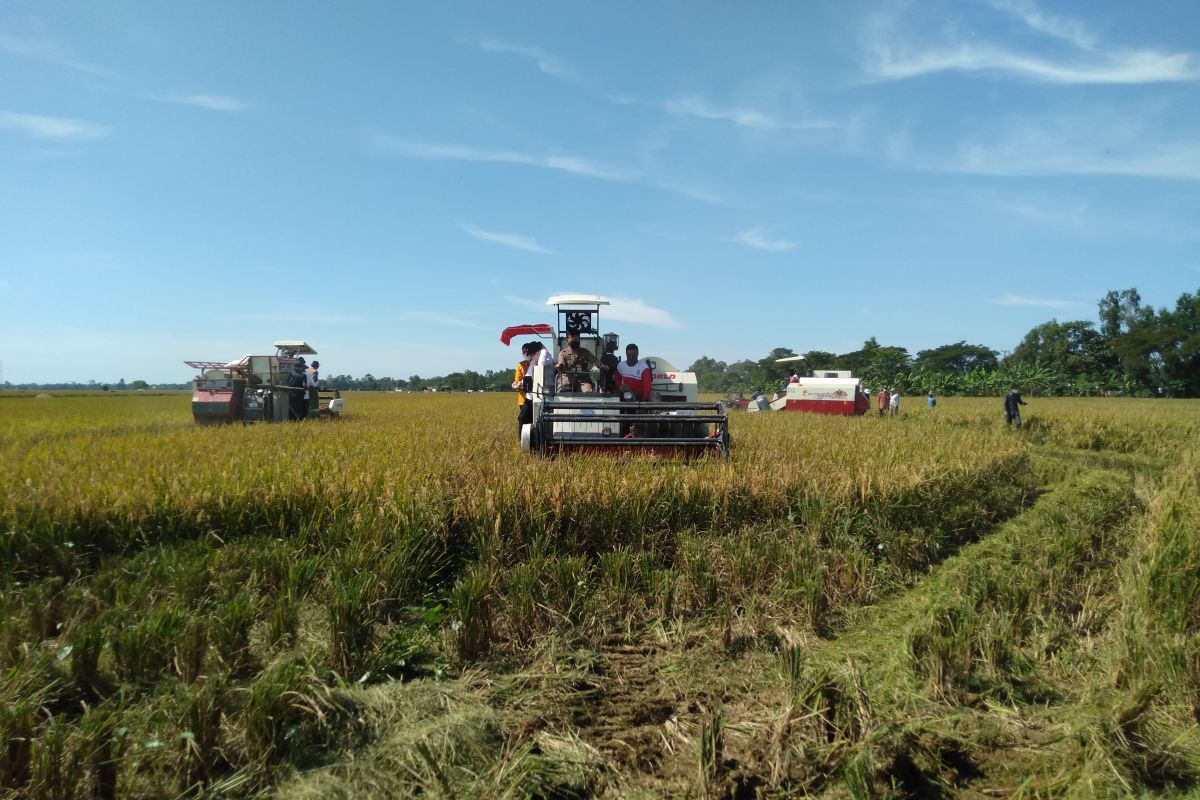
885 400
1012 407
931 401
633 374
574 366
894 402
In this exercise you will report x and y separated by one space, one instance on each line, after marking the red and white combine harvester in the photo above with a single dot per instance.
258 389
607 420
824 392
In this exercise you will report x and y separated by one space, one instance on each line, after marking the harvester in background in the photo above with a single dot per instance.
823 392
256 388
672 423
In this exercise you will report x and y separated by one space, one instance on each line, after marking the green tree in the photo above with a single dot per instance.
959 357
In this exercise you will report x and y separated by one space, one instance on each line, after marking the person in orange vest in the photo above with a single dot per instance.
524 407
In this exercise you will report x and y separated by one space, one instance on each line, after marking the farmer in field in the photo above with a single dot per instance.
524 407
894 402
1012 407
884 401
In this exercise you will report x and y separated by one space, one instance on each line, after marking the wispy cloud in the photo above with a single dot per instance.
1097 145
1067 29
632 309
210 102
385 144
890 53
547 63
516 240
439 318
1036 302
1065 217
40 127
700 108
43 50
757 239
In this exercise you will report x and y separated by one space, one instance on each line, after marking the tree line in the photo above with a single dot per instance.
1136 350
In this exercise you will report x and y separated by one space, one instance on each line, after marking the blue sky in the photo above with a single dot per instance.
396 182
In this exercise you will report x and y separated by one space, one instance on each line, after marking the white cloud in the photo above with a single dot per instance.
210 102
1094 144
40 127
630 309
1036 302
43 50
516 240
757 239
620 309
547 63
1065 28
390 145
891 54
700 108
1066 216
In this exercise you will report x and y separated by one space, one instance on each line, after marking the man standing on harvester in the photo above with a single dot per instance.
574 366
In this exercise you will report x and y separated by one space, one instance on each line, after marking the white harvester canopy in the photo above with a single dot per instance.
294 347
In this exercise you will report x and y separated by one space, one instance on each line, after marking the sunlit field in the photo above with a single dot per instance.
400 602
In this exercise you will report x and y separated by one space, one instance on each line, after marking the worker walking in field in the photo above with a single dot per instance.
884 402
1012 407
894 403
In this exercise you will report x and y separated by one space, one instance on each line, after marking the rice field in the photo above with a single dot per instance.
401 603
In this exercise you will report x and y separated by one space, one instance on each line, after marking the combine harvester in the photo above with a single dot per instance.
673 423
254 388
824 392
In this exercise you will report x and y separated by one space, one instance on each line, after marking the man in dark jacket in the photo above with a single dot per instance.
1012 407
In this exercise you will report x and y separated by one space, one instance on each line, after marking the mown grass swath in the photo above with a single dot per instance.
402 602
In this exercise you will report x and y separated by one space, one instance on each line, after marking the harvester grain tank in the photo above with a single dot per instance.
823 392
566 418
256 388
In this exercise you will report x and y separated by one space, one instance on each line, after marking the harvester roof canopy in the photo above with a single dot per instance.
577 300
295 347
789 358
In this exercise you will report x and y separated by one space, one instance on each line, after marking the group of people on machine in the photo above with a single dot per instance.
573 371
303 387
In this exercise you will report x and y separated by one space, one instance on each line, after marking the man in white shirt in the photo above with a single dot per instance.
634 375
